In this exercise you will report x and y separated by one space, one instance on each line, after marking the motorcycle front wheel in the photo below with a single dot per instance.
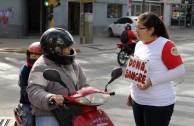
122 57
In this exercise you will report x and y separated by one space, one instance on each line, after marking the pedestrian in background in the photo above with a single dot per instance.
34 51
58 54
153 103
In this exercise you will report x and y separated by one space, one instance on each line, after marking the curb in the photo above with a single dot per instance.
22 50
77 49
99 48
13 50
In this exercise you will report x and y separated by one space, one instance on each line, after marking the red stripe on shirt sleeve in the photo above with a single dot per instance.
170 56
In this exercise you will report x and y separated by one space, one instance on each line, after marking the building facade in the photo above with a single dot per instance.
28 17
19 18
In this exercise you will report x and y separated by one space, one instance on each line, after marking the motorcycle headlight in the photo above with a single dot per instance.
93 99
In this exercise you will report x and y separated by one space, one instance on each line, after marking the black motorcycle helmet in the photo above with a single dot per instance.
53 41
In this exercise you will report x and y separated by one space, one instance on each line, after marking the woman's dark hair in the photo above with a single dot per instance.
150 19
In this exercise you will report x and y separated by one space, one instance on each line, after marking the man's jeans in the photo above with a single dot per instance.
46 121
27 118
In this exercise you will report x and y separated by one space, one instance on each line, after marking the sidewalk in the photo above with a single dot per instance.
178 34
100 43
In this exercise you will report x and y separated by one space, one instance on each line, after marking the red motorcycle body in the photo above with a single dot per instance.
93 118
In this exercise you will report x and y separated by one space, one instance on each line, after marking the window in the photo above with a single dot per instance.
114 11
136 8
156 9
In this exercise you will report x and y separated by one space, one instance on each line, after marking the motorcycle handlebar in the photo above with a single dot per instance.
52 102
112 93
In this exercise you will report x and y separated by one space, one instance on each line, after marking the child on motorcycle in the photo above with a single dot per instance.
34 51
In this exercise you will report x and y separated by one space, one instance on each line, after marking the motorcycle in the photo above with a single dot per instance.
80 107
123 53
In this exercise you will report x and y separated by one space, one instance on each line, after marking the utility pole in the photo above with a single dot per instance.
51 24
51 4
143 6
81 21
129 7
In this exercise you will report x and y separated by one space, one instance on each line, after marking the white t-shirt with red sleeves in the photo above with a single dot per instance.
165 65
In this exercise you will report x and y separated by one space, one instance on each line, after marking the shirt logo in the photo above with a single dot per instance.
174 51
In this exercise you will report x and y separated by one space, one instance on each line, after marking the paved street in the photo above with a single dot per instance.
98 63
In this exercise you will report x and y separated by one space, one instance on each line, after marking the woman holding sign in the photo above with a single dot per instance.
153 100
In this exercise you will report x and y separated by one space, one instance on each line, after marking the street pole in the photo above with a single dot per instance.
81 21
143 6
129 7
52 20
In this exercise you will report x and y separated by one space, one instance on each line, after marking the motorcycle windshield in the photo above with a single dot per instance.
93 99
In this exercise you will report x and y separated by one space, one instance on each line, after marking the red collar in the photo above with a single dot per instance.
149 42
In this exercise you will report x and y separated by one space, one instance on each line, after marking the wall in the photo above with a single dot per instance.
10 18
166 17
61 15
13 23
101 21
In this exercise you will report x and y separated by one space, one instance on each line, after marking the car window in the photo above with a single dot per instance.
128 20
121 21
124 21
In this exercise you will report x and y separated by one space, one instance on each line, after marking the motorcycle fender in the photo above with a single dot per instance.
93 118
118 50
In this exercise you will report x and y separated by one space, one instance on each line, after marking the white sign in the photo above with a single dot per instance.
137 70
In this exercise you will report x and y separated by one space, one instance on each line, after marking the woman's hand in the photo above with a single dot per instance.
58 99
145 86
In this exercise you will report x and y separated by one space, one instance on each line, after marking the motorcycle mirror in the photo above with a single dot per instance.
53 75
116 73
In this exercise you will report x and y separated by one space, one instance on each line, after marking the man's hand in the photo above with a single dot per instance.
58 99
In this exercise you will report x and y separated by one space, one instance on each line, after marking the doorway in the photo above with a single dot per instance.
74 15
182 15
36 22
186 15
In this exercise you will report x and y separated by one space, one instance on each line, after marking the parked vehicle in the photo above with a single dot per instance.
116 28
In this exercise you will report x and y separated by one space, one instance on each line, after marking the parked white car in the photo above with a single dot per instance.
116 28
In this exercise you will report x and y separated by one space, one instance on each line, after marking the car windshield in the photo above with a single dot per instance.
124 21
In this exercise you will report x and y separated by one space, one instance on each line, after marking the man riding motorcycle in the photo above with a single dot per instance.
59 55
